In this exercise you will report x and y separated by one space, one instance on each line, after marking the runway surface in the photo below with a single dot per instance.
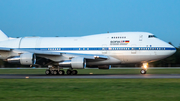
88 76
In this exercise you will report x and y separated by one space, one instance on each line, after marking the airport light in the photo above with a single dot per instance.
145 65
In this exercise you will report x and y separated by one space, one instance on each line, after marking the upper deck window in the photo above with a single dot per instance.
151 36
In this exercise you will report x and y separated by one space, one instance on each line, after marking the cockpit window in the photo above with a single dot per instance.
151 36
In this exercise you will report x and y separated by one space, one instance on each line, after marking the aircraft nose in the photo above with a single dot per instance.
172 50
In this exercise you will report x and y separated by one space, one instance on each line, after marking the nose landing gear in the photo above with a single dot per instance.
143 71
145 67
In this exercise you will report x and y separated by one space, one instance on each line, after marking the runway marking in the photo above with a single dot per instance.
27 77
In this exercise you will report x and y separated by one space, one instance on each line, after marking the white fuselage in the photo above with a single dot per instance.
122 47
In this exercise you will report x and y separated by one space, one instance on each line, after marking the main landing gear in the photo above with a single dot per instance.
71 72
145 67
60 72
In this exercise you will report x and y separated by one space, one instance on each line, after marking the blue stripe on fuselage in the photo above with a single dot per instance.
100 48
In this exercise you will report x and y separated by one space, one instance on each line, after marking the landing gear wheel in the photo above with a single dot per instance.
143 71
61 72
74 72
47 72
68 72
52 72
55 72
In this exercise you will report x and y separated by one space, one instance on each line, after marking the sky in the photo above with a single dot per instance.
49 18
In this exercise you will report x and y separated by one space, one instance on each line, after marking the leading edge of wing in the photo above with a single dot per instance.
5 49
87 56
44 52
38 52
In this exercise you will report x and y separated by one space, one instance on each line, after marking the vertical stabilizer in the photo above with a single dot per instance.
3 36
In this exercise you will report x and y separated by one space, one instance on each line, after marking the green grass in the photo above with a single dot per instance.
89 89
94 71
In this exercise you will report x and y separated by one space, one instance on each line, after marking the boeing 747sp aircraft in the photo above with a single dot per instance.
100 51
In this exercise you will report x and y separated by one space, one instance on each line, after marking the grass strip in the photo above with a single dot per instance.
89 89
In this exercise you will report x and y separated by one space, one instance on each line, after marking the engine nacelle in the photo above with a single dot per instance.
23 59
27 59
75 63
104 67
100 66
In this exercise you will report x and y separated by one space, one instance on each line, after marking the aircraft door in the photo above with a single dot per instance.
28 42
133 49
140 37
104 49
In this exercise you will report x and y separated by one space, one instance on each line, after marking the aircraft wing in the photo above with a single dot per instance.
46 54
87 56
39 52
5 49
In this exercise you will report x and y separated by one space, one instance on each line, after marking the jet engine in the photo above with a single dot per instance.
75 63
23 59
104 67
100 66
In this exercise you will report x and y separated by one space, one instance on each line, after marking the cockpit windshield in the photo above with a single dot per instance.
151 36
